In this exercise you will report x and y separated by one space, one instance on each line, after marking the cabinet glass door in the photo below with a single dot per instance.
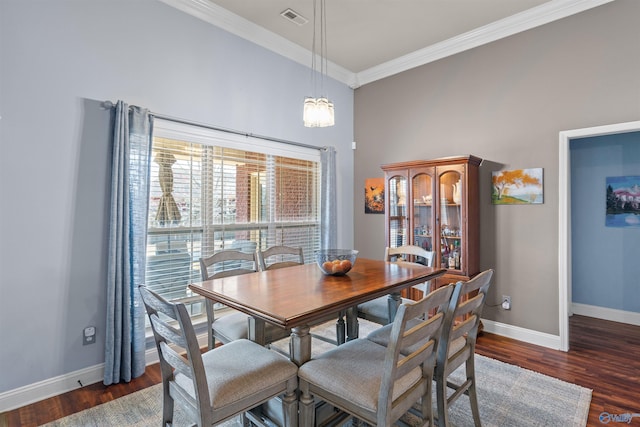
451 220
422 192
397 190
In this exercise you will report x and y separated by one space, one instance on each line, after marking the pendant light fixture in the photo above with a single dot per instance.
318 110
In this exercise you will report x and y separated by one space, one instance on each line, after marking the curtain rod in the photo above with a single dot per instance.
109 104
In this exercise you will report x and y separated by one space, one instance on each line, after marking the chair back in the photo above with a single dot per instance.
228 262
461 325
411 254
412 346
178 351
280 257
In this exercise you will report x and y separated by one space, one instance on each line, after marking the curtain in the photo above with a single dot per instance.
125 329
329 211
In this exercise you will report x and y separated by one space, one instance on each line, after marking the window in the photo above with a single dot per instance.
212 190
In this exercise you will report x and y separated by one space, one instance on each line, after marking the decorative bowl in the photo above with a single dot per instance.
336 262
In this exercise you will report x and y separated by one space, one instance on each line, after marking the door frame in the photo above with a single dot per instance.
564 226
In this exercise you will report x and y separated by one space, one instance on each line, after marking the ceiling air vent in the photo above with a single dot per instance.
294 17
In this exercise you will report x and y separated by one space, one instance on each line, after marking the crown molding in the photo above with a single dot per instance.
534 17
222 18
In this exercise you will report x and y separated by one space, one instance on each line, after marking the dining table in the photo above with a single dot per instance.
300 296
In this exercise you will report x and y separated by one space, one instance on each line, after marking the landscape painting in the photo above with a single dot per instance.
374 195
623 201
517 187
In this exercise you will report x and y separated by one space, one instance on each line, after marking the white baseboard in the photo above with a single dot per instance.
36 392
521 334
605 313
22 396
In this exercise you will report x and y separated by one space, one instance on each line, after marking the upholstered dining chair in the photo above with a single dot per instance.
280 257
221 383
235 325
374 383
379 310
458 345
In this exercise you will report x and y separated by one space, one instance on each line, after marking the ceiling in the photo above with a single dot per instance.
372 39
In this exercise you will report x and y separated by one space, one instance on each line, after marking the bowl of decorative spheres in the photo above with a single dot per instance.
336 262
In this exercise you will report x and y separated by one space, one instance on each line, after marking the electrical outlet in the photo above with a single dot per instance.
89 335
506 302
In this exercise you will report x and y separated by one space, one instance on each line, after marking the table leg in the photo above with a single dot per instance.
353 328
256 330
300 345
394 302
340 328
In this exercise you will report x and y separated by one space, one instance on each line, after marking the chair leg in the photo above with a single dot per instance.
427 405
473 396
210 318
244 420
306 406
167 407
290 406
441 404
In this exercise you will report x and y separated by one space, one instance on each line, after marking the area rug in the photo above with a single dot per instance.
507 396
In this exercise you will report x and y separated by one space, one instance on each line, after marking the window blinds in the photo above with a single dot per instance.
212 191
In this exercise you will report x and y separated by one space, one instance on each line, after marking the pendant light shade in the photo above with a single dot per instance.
318 110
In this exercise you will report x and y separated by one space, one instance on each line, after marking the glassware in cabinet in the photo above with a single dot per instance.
442 213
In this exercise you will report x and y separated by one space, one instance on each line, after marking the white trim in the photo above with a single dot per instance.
521 334
605 313
526 20
564 216
222 18
36 392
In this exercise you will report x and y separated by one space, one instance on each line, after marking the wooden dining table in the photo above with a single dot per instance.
299 296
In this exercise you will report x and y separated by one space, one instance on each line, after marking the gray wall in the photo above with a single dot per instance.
505 102
58 60
605 268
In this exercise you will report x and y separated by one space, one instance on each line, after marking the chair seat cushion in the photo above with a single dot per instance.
231 327
378 308
239 369
235 326
353 372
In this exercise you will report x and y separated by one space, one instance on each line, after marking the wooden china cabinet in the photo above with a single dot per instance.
434 204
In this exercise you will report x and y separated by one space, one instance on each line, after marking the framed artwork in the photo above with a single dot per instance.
623 201
374 195
517 187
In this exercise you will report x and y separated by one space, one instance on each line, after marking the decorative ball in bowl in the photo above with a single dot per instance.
336 262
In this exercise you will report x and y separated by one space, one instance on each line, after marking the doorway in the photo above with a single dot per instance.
564 226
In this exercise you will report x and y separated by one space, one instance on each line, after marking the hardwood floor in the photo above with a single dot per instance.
603 356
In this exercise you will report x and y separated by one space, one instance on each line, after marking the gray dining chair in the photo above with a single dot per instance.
280 257
235 325
458 346
219 384
380 310
379 384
